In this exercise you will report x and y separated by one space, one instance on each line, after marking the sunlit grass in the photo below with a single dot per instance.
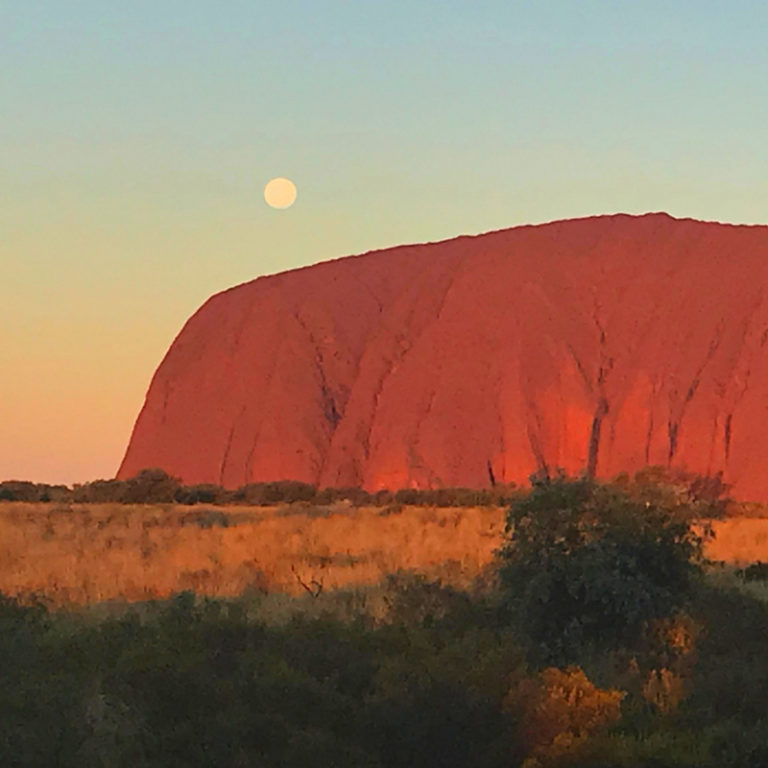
77 554
93 553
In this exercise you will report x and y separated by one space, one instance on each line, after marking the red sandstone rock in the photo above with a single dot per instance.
606 343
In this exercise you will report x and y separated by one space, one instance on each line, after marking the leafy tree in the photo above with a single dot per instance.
587 567
151 486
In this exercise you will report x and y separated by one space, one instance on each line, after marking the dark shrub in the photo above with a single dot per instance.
266 494
587 567
755 572
23 490
407 496
151 486
205 518
203 493
101 492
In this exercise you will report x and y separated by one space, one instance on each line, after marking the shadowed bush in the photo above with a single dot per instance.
587 566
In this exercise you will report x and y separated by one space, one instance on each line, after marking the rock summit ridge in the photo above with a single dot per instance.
603 344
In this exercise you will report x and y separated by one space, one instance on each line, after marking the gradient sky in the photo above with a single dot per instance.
136 137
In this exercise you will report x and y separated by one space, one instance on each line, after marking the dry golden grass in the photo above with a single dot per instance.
739 540
86 553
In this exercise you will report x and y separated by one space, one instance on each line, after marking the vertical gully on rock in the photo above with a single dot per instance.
672 429
594 436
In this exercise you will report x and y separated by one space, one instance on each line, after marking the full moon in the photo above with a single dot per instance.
280 193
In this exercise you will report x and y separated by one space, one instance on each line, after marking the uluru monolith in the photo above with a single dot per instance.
603 344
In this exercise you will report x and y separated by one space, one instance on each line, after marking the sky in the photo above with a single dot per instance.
136 137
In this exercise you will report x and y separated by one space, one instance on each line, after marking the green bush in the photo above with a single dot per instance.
587 566
190 682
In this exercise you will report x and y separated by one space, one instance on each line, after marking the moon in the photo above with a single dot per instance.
280 193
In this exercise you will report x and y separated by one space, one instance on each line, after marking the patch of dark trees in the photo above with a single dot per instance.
155 486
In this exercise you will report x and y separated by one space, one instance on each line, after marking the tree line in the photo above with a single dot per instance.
155 486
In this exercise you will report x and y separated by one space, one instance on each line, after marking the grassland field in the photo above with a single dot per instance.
77 554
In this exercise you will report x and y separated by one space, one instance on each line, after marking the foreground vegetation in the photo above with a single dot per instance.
598 636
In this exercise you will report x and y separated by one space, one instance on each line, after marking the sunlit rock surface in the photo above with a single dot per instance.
607 344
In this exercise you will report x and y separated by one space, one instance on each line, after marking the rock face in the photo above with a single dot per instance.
607 344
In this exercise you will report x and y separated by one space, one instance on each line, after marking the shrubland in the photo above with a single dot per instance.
590 629
155 486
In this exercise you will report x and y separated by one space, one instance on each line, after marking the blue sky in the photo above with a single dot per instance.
136 138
